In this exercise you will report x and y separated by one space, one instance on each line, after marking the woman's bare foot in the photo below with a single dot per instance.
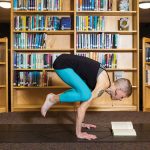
49 102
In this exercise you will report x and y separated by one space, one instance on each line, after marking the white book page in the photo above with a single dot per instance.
122 125
124 132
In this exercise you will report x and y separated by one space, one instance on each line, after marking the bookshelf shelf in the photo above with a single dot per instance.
37 108
2 63
119 32
108 69
134 87
147 85
44 12
45 87
32 107
3 75
146 73
119 69
33 69
147 63
108 13
65 41
108 50
2 86
48 32
114 108
44 50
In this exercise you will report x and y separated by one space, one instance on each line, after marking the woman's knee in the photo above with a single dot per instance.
86 96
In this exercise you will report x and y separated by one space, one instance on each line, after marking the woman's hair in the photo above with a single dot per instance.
124 85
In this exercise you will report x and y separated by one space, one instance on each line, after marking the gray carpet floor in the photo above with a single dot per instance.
23 120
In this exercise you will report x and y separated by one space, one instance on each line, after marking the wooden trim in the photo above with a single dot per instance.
5 86
43 12
145 99
2 63
44 50
119 32
62 32
108 13
108 69
108 50
2 86
46 87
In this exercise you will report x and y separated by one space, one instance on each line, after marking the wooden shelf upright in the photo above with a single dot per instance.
3 75
146 77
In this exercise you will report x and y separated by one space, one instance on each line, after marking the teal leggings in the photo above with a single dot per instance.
80 91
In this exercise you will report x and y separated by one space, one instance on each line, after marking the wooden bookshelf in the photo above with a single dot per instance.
129 47
31 98
3 75
146 84
25 98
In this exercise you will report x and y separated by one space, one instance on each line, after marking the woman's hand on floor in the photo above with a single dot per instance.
88 126
85 135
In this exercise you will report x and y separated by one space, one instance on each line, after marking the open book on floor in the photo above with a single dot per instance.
123 129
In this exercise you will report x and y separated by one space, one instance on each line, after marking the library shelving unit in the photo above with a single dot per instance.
31 98
3 75
24 98
146 74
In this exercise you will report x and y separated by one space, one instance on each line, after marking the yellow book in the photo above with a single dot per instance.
60 5
46 27
87 18
25 20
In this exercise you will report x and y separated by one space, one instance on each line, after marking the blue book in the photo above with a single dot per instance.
77 23
40 40
15 5
85 5
148 54
44 19
92 4
88 4
95 22
65 23
91 22
102 5
41 22
15 60
35 61
36 41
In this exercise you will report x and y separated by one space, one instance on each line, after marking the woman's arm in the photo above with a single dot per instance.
101 85
80 118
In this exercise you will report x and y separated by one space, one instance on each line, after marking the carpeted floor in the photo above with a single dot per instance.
23 131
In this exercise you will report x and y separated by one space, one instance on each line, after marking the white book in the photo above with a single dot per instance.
123 129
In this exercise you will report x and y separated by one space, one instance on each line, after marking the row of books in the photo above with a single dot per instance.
97 41
108 60
30 40
39 5
34 60
98 5
85 23
39 22
44 60
34 78
147 54
148 77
